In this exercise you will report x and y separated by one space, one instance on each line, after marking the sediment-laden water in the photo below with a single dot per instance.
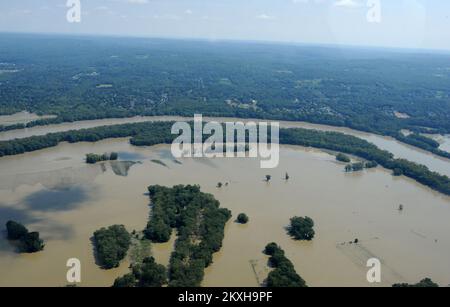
54 192
400 150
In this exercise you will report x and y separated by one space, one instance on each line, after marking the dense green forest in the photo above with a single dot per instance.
153 133
199 223
111 245
374 90
284 274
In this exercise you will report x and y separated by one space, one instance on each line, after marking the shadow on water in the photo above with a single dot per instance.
131 156
49 229
57 200
122 168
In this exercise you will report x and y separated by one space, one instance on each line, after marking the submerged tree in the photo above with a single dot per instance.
302 228
112 244
29 242
242 218
284 274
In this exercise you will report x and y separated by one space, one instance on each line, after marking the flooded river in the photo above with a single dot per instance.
400 150
21 118
54 192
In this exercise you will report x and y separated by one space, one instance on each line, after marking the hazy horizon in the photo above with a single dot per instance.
401 24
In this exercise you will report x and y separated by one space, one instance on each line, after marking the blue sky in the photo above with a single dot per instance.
404 23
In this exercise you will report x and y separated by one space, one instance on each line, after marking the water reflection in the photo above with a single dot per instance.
121 168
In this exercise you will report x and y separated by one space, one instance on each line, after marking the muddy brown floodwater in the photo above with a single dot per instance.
53 191
400 150
23 117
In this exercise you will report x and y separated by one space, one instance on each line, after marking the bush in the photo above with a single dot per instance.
242 218
302 228
397 172
342 158
270 249
371 164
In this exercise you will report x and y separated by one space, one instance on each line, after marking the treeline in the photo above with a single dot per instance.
355 146
94 158
424 143
359 166
111 245
200 229
153 133
284 274
29 242
424 283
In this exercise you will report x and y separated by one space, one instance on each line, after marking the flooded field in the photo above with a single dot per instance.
21 118
54 192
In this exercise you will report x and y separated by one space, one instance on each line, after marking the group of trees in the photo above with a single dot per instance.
29 242
200 224
301 228
424 283
343 158
359 166
153 133
145 274
423 142
94 158
284 274
111 245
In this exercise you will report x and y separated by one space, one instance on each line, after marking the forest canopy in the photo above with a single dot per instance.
111 245
379 91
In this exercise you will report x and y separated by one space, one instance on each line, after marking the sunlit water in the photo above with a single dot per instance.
53 191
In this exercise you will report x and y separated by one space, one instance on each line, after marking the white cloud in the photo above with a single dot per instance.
348 3
138 1
265 17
